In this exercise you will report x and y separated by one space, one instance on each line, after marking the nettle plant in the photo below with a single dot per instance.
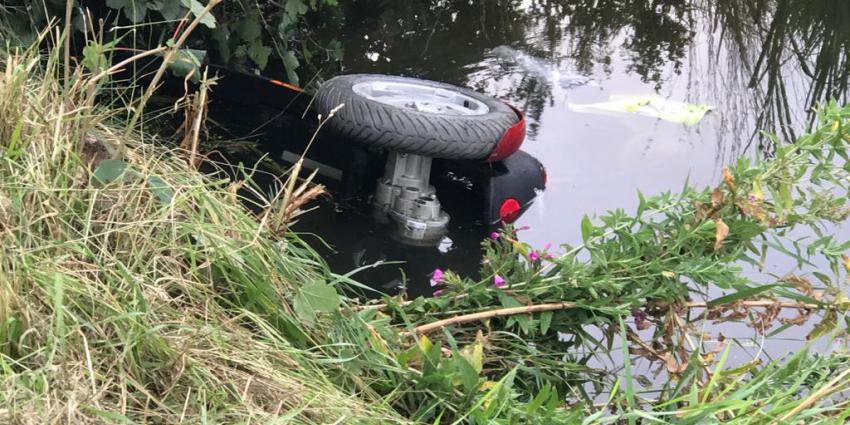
246 34
257 32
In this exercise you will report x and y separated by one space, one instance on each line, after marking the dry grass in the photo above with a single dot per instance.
153 297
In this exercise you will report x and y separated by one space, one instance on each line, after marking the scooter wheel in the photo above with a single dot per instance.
415 116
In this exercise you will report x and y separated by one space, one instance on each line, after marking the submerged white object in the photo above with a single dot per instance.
539 68
650 106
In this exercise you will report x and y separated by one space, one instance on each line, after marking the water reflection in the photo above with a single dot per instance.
764 62
656 34
787 54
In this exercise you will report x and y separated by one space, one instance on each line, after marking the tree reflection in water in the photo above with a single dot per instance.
791 54
763 63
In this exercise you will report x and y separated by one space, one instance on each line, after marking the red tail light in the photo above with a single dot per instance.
511 140
509 211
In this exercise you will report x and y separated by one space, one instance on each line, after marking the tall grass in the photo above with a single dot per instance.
139 290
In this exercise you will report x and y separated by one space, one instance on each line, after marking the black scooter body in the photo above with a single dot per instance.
351 170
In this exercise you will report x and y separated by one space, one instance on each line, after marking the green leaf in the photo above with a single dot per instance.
290 62
405 357
259 54
12 151
134 10
474 354
93 59
157 4
316 297
249 29
468 374
118 4
197 9
586 229
221 35
112 417
785 196
335 48
823 278
829 322
545 321
172 10
741 294
295 8
286 26
641 204
110 170
137 12
160 189
538 400
187 62
59 308
94 55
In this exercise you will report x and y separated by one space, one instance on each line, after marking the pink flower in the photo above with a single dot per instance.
498 281
523 228
534 256
547 247
436 277
437 293
494 236
548 256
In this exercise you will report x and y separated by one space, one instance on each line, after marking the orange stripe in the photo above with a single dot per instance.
287 85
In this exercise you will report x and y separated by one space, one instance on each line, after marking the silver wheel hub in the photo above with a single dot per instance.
421 98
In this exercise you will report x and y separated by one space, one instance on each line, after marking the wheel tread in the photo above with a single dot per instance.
421 133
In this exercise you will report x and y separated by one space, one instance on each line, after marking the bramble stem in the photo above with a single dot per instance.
512 311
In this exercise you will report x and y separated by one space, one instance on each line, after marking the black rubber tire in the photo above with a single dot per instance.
423 133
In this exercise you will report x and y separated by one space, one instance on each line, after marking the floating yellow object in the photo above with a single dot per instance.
650 106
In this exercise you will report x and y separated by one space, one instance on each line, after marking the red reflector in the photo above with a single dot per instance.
509 211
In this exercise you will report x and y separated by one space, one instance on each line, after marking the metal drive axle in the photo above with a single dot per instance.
405 194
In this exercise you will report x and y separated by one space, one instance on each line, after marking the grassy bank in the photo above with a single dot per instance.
136 289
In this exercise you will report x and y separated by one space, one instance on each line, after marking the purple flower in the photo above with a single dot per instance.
436 277
498 281
639 317
534 256
437 293
494 236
